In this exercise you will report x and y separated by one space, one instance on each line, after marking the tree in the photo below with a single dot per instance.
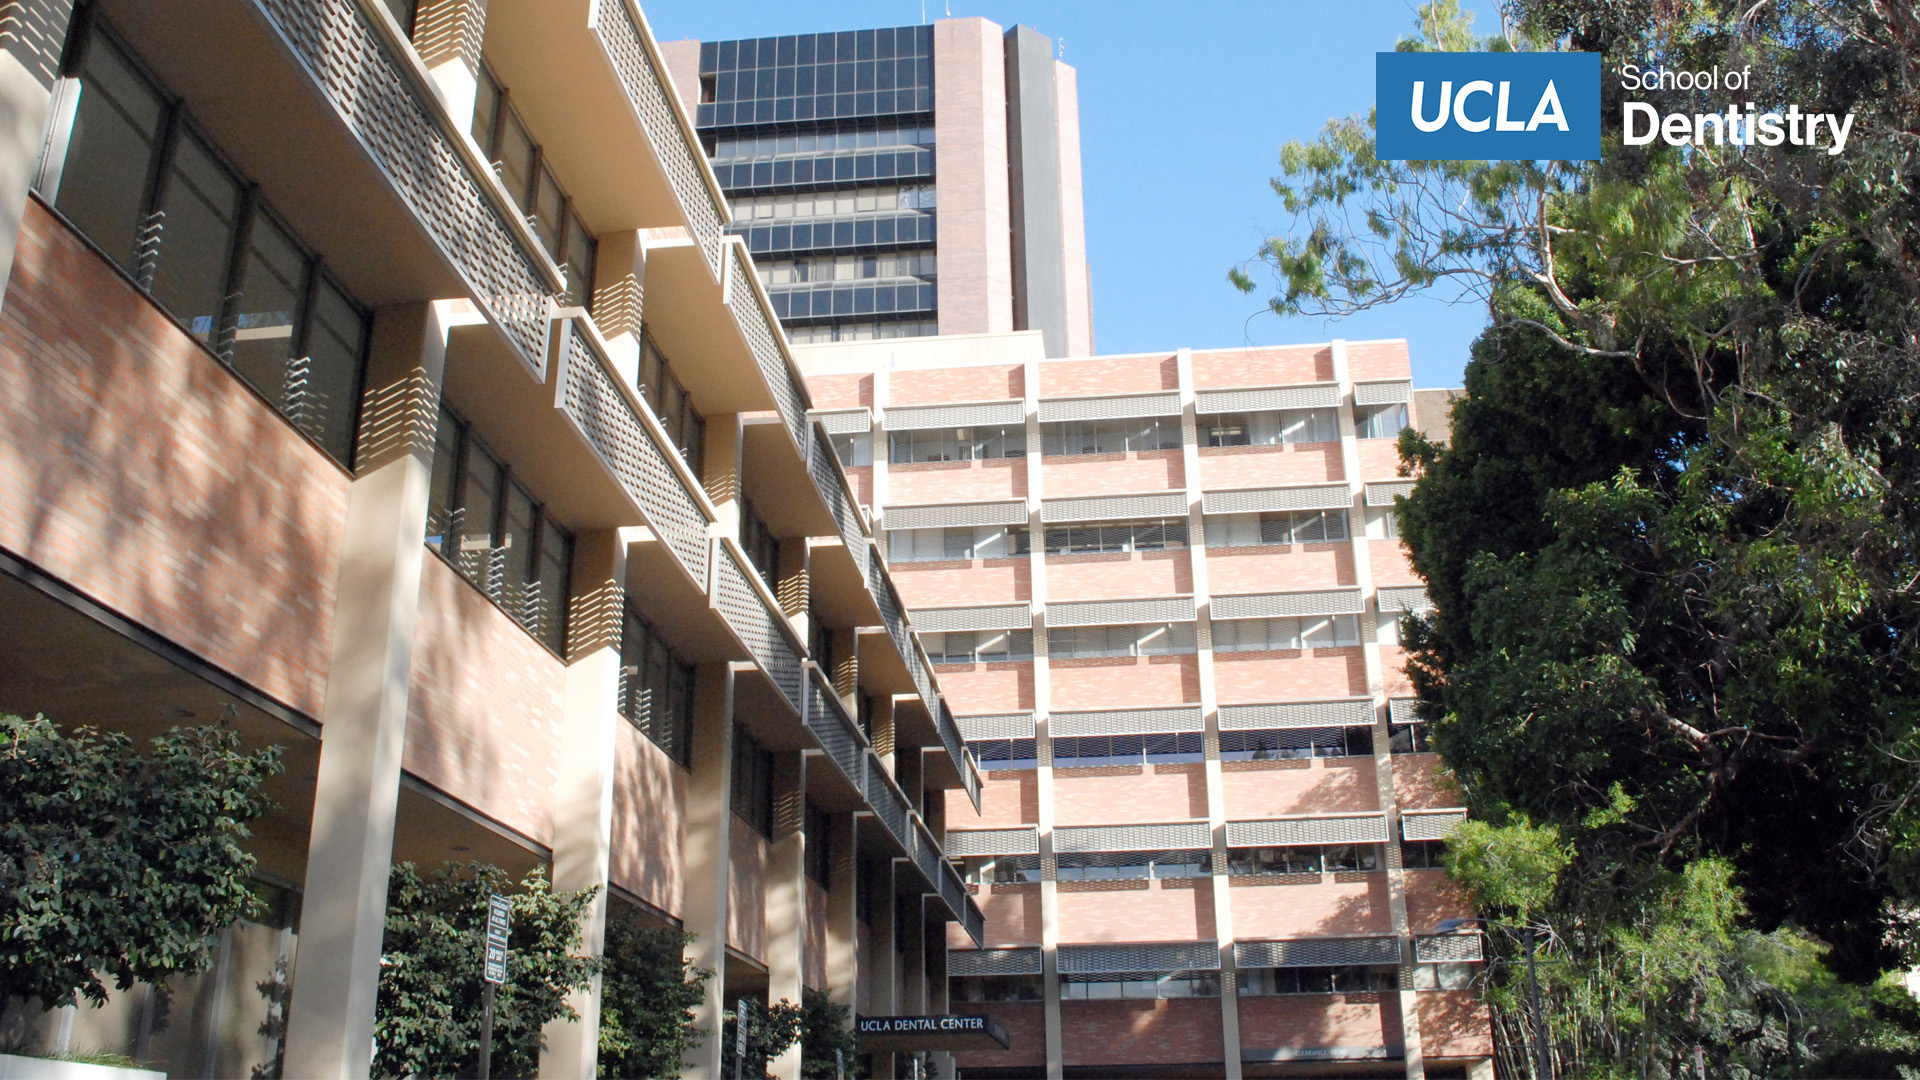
118 864
427 1018
824 1028
770 1030
648 991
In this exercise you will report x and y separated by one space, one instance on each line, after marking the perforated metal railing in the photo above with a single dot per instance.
889 805
827 718
632 445
385 111
825 468
759 335
619 30
957 750
752 616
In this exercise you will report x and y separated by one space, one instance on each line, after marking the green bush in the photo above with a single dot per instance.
648 991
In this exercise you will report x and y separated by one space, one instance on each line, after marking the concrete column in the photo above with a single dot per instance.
883 986
583 786
1210 711
882 459
364 718
619 281
32 33
937 987
843 911
1480 1070
447 35
913 945
723 464
907 766
787 896
709 819
1376 689
1043 741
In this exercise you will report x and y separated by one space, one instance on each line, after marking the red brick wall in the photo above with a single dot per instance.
860 479
1229 467
964 584
1119 576
983 689
1390 565
1121 375
1352 903
813 965
840 391
1008 797
1379 459
1123 682
1433 897
145 475
1419 783
1454 1024
649 822
1248 678
1073 475
1303 1021
1262 367
1173 909
1367 360
1266 789
1236 571
949 386
747 890
1129 794
1026 1024
1013 916
1393 671
925 482
1095 1033
483 719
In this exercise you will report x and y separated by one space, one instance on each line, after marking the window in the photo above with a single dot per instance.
841 203
1151 639
1270 428
861 331
1276 528
656 688
1107 985
1423 854
1005 753
853 450
988 989
671 405
820 642
1443 976
1082 751
957 544
1384 524
1386 628
1340 858
1139 435
918 264
1379 421
758 541
1252 862
1124 865
502 136
1000 869
788 144
496 535
818 837
978 646
1110 537
1285 634
956 444
1279 744
160 201
1408 738
752 783
1316 980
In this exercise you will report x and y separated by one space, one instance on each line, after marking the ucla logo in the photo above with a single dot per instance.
1487 106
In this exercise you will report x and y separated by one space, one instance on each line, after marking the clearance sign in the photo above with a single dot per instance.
1487 106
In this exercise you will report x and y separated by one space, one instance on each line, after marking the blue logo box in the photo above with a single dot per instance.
1487 106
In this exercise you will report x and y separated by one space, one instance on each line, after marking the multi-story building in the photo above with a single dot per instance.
380 379
1163 594
857 162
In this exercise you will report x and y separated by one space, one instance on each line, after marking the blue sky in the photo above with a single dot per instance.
1183 109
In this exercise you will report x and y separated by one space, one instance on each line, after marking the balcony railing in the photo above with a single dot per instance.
957 750
639 69
630 440
827 718
889 805
757 328
743 601
386 103
824 465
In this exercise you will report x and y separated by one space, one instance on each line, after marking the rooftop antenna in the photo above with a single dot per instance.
923 12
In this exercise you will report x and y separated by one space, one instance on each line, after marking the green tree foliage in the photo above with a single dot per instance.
427 1019
117 863
648 992
1671 540
770 1030
824 1028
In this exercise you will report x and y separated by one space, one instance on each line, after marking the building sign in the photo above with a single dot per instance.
1487 106
931 1033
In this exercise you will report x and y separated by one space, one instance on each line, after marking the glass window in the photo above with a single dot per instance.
957 543
1379 421
513 156
957 444
1316 980
1108 986
656 688
441 516
1408 738
1277 527
273 283
581 252
1423 854
1286 634
1082 751
200 212
552 568
752 783
1112 537
1250 862
978 646
323 394
1151 639
817 837
988 989
1454 976
1281 744
995 754
684 425
117 131
1351 857
1270 428
853 450
549 211
1110 436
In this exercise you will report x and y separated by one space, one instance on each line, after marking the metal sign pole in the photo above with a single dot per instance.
493 972
486 1033
740 1039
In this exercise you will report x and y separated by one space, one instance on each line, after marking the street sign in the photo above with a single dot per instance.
494 968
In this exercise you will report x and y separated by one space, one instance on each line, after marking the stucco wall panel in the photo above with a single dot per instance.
813 971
